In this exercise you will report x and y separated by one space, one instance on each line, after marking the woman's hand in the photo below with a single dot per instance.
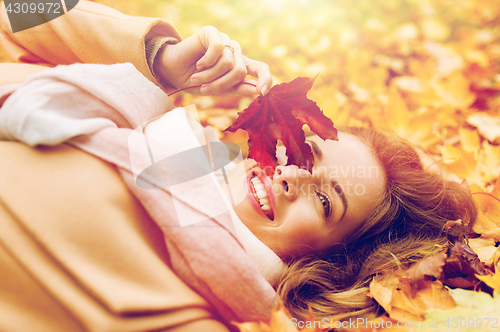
210 59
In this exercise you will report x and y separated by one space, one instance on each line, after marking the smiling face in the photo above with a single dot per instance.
297 212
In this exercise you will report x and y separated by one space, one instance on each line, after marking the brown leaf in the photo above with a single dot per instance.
431 266
462 266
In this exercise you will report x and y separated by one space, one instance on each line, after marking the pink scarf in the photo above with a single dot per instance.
96 108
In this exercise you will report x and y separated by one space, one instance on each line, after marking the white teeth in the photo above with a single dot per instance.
260 194
258 187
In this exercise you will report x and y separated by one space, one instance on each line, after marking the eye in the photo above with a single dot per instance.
325 201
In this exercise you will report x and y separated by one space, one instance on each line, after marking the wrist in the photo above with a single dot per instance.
159 68
155 50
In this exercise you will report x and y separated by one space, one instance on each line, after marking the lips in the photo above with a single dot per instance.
260 193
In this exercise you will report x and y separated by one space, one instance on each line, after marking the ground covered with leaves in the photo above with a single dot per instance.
428 70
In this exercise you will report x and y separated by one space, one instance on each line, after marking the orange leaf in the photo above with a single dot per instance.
489 210
394 294
282 321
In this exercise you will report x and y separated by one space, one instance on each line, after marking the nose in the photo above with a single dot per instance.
289 180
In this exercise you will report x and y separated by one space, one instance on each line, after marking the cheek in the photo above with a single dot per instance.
299 233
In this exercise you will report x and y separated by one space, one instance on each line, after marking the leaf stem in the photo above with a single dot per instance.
198 86
189 87
480 193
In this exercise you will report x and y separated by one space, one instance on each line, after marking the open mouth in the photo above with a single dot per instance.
260 194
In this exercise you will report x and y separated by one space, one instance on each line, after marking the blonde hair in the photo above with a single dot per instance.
406 226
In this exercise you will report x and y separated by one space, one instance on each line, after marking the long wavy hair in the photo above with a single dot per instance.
406 226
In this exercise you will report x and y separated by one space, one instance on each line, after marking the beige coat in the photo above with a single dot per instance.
89 33
77 251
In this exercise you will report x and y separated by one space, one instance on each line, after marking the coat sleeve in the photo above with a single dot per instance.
89 33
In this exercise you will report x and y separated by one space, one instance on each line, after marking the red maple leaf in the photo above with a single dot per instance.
280 115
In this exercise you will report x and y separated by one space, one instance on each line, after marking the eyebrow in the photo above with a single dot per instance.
319 154
317 151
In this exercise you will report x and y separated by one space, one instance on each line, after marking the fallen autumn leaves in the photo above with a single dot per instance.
428 70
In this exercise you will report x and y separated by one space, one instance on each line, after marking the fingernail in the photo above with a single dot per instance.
263 91
195 81
205 90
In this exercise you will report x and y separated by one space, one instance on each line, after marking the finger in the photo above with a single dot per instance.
227 79
213 41
261 71
224 65
245 88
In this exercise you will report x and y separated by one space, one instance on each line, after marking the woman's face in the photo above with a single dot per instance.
296 212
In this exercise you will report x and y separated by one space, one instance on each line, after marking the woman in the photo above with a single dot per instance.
404 224
365 191
368 206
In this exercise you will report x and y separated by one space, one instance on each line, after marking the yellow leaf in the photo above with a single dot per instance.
435 29
488 125
488 219
397 110
409 83
495 259
454 90
361 71
423 69
360 94
461 163
281 321
469 139
483 224
492 234
448 61
314 69
450 154
484 248
491 280
489 204
279 51
406 31
489 161
479 57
